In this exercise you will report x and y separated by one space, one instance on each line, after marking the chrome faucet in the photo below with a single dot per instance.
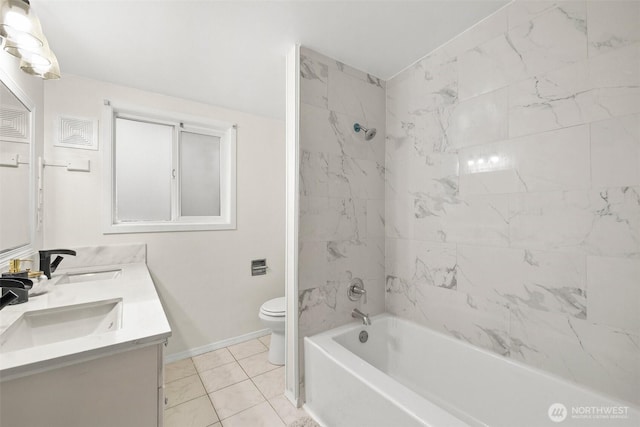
357 314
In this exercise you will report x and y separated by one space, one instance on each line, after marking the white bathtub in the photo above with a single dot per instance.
406 375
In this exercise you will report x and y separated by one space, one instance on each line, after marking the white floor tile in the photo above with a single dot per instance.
261 415
184 389
222 376
266 340
236 398
270 384
194 413
247 348
257 364
286 410
180 369
213 359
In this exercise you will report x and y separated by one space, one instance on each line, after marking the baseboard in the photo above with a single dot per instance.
215 346
291 398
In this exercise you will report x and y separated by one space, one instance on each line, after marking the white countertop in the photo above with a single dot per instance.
143 320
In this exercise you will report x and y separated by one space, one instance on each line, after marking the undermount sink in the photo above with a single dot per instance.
42 327
90 276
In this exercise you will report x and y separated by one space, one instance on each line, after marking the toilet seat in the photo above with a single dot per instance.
274 307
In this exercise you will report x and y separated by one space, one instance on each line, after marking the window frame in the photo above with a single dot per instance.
181 123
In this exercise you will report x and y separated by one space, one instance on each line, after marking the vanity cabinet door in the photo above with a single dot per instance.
116 390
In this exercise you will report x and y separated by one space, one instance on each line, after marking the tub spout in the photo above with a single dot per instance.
357 314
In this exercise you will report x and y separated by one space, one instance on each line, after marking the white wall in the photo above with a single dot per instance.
203 278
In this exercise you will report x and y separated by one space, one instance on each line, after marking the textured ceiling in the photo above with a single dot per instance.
232 53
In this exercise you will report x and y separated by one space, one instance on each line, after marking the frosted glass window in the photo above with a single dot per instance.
199 174
168 172
143 166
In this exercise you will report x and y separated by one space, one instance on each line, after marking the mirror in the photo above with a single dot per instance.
16 170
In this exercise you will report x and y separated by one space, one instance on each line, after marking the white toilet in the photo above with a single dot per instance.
272 315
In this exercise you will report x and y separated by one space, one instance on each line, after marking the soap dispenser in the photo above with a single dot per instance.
15 270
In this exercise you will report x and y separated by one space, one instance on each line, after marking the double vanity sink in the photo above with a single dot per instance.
88 347
83 312
88 276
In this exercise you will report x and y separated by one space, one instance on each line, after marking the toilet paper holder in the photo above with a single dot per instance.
259 267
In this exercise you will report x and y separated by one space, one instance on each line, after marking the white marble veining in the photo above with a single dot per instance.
602 358
326 307
423 263
479 120
556 160
549 41
342 193
331 133
615 81
612 24
547 281
614 292
314 75
521 12
615 152
596 222
555 100
347 259
93 256
356 98
513 204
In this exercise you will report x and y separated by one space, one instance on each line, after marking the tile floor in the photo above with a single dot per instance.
235 386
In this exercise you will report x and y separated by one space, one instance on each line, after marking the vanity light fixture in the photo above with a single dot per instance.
23 38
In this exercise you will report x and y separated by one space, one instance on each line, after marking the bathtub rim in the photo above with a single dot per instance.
328 337
416 406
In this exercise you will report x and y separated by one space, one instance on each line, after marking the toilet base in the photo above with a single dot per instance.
276 348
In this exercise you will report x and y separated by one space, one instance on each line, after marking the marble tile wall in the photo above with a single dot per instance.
513 190
342 184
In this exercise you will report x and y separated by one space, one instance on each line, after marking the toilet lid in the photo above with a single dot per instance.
274 307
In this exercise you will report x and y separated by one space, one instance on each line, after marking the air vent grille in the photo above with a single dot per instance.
14 124
75 132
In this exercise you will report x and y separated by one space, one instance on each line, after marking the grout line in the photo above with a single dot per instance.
277 413
244 410
186 401
208 395
219 366
251 355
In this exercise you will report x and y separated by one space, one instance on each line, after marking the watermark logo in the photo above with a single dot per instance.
557 412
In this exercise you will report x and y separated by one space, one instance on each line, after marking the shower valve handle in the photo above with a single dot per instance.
357 290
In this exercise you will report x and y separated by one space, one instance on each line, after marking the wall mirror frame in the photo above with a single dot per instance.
13 159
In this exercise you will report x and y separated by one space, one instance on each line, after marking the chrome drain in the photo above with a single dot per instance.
364 336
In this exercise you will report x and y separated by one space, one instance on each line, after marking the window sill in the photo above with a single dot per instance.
157 227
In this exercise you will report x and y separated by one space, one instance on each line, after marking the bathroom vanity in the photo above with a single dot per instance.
86 352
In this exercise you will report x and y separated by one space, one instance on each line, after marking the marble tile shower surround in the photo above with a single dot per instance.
342 184
513 190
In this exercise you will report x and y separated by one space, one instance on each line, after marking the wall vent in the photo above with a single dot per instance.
77 132
14 124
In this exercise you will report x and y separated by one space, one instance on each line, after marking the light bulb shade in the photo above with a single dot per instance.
37 55
47 72
19 25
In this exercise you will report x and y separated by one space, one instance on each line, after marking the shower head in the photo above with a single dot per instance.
369 134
